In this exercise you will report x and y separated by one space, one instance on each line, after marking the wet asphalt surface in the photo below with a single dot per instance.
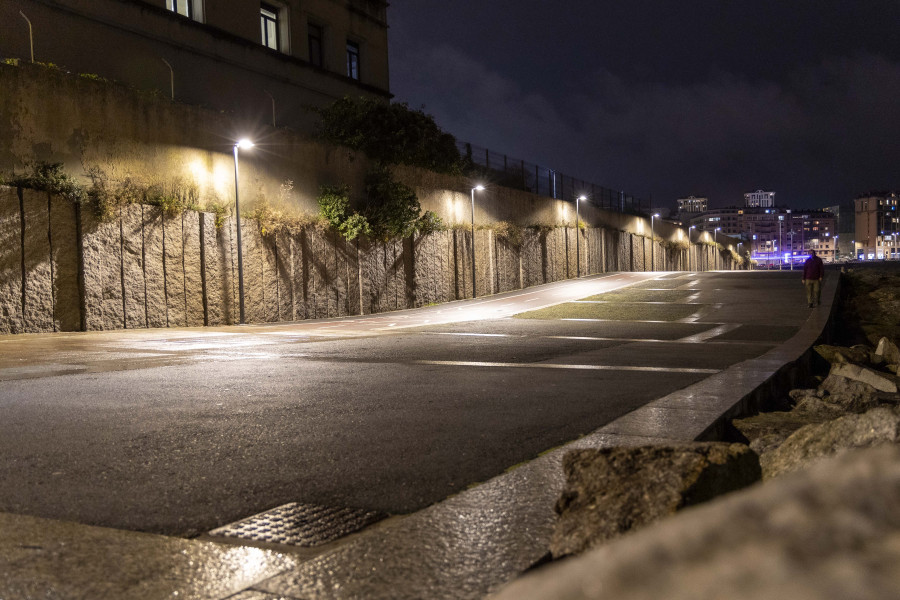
183 432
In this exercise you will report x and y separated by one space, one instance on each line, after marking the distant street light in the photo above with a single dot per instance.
690 246
652 242
716 241
477 188
242 143
578 200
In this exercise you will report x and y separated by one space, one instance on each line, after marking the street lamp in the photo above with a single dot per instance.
690 246
242 143
578 200
478 188
791 254
716 242
652 242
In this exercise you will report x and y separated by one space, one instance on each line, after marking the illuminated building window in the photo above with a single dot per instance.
182 7
352 60
268 21
314 35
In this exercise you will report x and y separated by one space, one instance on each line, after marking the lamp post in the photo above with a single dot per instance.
243 143
690 246
652 243
478 188
578 200
30 35
716 242
791 253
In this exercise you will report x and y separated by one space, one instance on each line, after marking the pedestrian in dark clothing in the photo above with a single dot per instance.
813 274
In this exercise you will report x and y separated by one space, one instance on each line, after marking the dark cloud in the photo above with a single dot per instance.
817 130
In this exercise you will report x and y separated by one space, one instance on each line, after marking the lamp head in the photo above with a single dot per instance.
479 188
582 198
244 143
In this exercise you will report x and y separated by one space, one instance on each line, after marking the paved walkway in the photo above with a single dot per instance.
461 547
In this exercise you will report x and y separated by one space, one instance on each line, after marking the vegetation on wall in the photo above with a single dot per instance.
391 211
49 177
388 134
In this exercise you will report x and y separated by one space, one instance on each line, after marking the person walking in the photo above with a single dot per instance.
813 274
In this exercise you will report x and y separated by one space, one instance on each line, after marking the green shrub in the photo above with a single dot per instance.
50 177
392 208
389 133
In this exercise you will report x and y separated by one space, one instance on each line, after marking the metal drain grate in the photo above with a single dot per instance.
305 525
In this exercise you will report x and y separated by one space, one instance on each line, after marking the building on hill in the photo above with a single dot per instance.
692 205
877 227
266 61
759 199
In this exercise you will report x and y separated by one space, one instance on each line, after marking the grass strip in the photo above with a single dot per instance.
623 311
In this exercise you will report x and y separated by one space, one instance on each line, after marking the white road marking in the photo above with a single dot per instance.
454 363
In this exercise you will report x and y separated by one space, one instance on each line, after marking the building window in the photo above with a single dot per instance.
353 60
182 7
314 34
268 21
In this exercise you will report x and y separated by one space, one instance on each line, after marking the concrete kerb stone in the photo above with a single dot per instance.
471 544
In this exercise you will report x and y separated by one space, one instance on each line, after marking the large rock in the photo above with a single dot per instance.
888 351
611 491
842 354
880 381
849 395
767 431
878 426
828 533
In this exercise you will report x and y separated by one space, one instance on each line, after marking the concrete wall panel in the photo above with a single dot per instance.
269 255
38 280
65 262
173 252
193 273
11 319
154 267
102 255
254 307
133 266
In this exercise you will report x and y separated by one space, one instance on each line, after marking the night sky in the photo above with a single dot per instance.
699 97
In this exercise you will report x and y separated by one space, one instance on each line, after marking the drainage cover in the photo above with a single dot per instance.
305 525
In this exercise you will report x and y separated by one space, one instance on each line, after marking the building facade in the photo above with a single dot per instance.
877 227
774 236
692 205
266 61
759 199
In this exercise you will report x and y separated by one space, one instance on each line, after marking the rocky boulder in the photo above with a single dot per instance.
810 443
882 382
849 395
611 491
841 354
830 533
888 351
767 431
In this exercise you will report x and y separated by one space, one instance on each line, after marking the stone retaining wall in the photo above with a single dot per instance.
61 269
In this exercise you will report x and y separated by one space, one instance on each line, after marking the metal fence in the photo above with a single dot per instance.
516 173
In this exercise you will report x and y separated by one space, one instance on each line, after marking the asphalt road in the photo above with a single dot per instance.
181 431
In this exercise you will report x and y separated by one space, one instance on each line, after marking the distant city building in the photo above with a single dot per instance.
693 205
877 227
759 199
774 235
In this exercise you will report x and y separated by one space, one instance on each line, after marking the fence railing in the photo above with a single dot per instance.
521 175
